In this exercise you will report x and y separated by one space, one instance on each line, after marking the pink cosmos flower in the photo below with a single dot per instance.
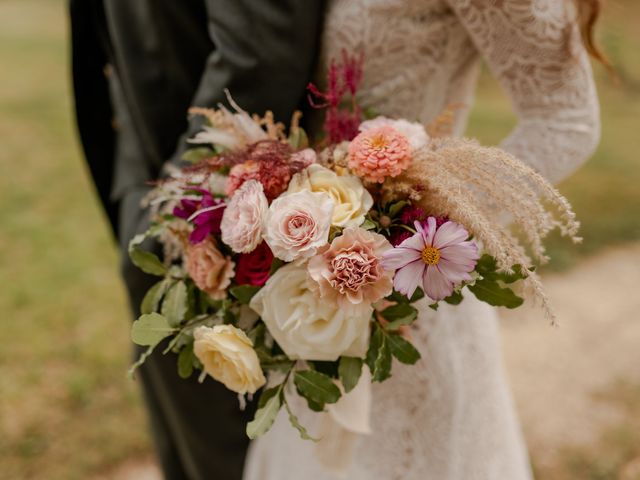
377 153
436 257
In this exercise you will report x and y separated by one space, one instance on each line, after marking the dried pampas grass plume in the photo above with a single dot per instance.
482 188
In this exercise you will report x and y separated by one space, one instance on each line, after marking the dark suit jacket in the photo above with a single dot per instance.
137 66
168 55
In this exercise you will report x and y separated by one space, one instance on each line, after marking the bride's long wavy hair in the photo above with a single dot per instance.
588 14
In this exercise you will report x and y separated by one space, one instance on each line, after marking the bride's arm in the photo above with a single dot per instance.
534 48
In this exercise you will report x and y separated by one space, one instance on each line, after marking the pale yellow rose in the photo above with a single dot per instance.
227 355
308 325
352 201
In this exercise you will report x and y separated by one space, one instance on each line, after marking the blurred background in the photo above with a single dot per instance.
67 410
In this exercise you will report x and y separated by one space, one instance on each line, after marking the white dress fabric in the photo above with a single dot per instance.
450 416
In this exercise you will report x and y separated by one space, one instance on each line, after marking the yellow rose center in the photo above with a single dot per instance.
430 255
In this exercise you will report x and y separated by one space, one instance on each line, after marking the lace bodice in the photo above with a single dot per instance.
451 416
423 55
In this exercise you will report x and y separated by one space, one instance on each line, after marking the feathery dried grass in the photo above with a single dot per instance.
482 188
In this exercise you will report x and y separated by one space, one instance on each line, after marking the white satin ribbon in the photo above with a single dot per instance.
343 423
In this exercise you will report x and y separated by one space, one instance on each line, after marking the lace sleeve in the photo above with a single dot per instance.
534 48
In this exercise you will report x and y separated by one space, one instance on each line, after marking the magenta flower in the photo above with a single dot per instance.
205 214
436 257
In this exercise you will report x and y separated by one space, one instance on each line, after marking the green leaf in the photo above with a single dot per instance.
382 365
297 425
396 312
374 346
151 300
275 265
517 274
150 329
147 261
403 350
316 386
398 315
298 138
417 295
244 293
185 362
349 370
330 369
175 304
491 292
267 394
369 225
396 207
194 155
264 417
487 267
454 299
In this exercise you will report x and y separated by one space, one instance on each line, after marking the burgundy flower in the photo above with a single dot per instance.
253 268
340 124
411 213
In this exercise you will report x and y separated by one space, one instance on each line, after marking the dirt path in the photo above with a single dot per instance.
556 372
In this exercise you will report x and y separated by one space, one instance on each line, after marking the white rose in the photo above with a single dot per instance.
243 218
306 325
415 132
351 200
227 355
297 224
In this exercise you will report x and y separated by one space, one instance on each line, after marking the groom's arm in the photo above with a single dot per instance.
265 53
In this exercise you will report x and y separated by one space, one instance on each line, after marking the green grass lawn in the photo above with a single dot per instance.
67 410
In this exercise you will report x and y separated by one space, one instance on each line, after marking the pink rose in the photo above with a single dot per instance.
209 269
298 224
253 268
351 267
243 218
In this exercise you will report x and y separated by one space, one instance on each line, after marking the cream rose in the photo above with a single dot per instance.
298 224
306 325
242 220
227 355
352 201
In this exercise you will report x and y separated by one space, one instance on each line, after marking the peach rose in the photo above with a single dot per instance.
351 267
209 269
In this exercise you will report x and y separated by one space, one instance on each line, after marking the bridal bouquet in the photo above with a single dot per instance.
304 264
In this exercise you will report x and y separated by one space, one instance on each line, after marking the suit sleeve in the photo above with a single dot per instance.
265 53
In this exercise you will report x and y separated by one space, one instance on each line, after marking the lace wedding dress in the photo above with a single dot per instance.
451 416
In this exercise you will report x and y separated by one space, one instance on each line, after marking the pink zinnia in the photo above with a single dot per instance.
378 153
436 257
